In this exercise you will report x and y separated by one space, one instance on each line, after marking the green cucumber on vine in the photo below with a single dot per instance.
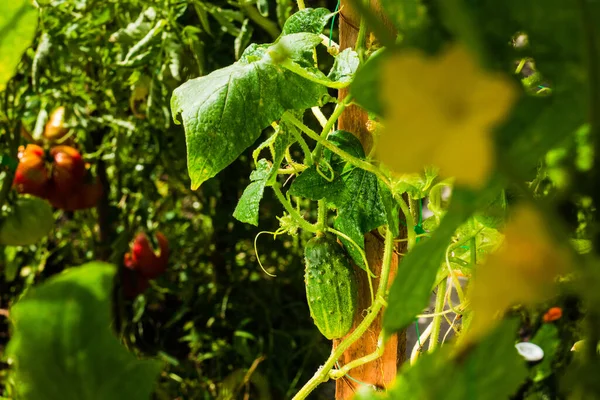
331 287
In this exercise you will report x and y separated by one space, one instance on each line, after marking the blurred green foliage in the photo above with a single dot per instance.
113 65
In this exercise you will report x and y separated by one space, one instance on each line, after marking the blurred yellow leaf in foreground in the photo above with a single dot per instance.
440 111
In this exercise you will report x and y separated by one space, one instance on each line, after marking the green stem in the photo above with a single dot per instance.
361 39
301 5
322 375
440 298
410 223
357 162
290 65
337 374
308 159
290 209
322 215
339 109
265 23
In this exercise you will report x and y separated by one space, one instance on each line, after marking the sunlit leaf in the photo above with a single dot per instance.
224 112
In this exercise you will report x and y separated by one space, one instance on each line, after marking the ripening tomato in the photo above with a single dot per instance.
31 176
30 221
144 258
55 128
33 149
68 168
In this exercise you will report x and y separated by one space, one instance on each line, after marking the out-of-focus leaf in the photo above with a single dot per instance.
263 7
367 83
63 346
17 26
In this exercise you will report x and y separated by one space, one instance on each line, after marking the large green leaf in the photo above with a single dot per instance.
490 370
17 26
63 347
248 205
536 126
224 112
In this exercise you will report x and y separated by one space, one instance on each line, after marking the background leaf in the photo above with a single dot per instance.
63 346
17 25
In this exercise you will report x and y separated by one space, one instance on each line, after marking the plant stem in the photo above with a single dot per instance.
301 5
357 162
339 108
360 40
322 375
265 23
322 215
290 65
290 209
410 223
308 159
440 298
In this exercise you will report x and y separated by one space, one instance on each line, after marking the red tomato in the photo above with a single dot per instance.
32 176
68 169
145 259
31 149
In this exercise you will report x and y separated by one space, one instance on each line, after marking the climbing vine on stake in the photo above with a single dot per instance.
276 85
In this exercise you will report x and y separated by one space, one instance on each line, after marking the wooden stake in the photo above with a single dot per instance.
381 372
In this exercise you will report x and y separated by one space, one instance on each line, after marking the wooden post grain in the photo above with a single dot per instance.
382 371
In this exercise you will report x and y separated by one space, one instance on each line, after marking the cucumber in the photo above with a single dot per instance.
331 287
